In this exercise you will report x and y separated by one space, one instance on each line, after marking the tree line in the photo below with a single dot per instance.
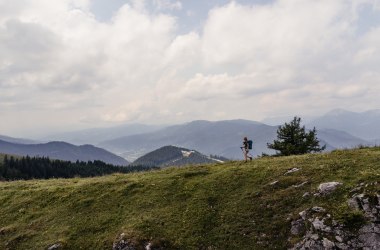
27 167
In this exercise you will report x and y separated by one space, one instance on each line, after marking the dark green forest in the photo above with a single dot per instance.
26 168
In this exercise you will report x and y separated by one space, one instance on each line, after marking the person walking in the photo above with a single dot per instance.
247 145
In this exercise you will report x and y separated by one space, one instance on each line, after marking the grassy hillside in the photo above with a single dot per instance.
220 206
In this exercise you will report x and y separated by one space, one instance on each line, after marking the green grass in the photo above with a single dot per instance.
219 206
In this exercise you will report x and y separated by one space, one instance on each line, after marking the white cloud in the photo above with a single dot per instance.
272 52
58 61
286 33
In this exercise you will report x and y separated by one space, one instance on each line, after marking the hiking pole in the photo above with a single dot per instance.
245 153
242 149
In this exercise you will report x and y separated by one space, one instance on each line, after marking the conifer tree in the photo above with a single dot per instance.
292 139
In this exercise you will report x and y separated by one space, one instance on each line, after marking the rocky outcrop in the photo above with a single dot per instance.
361 230
273 183
292 171
124 242
369 204
328 187
55 246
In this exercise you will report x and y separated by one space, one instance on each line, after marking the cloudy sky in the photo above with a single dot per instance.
72 64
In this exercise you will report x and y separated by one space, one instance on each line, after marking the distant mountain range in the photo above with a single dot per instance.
340 139
337 129
365 125
96 135
16 140
218 138
62 151
173 156
222 138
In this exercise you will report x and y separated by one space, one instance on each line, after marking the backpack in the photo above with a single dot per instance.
249 144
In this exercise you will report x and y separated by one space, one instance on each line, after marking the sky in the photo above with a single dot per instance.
74 64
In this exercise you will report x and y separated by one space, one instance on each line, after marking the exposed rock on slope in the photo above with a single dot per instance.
328 187
360 230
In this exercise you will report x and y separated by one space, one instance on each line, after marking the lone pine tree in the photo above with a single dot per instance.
292 139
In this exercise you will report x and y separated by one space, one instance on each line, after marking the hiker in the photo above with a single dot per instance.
247 145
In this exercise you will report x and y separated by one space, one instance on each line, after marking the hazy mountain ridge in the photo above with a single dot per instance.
336 129
365 125
62 151
340 139
220 138
96 135
17 140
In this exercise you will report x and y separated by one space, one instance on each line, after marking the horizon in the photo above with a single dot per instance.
85 64
270 121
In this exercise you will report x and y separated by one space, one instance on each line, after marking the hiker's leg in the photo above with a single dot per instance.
249 155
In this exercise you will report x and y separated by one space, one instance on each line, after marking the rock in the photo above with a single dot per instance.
342 246
370 240
365 204
362 202
369 236
319 225
328 187
321 231
314 236
122 243
303 215
353 203
55 246
298 227
318 209
310 241
338 238
273 183
300 185
357 189
327 244
148 247
307 194
292 171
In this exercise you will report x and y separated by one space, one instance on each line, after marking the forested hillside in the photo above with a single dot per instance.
25 168
62 151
